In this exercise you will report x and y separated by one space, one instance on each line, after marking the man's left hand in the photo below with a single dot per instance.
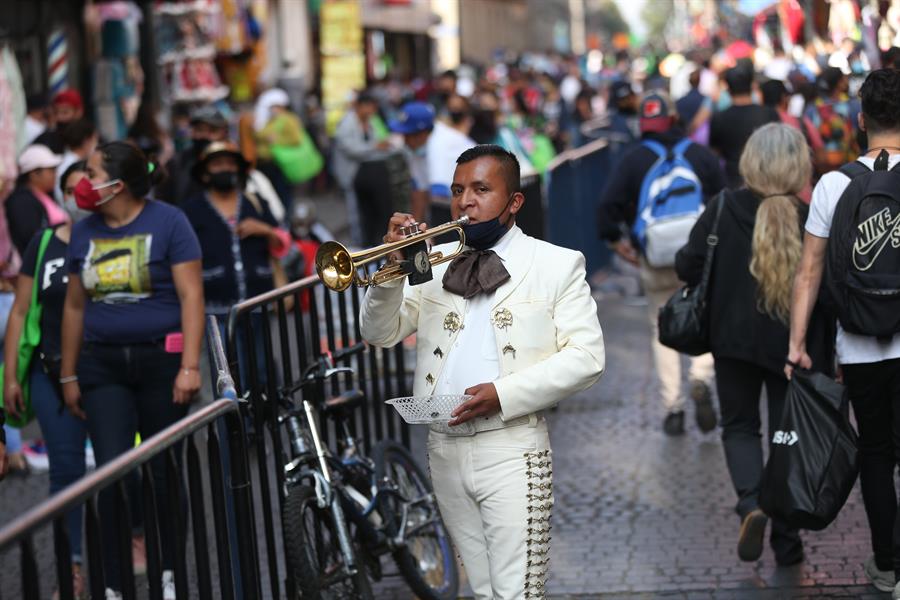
484 403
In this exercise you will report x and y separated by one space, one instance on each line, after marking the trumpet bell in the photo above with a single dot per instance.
334 266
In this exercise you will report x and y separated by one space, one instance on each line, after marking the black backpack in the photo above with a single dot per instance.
862 263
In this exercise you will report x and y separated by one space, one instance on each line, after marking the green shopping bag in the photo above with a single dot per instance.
542 154
299 163
28 343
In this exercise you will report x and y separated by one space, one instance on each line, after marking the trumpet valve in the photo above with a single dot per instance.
410 230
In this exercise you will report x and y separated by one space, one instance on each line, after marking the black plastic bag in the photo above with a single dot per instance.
813 460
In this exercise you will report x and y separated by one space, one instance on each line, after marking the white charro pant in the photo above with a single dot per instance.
494 492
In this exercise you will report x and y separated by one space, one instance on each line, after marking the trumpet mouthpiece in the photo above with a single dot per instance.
463 220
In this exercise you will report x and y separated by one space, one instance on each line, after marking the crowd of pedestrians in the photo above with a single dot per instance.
792 182
125 246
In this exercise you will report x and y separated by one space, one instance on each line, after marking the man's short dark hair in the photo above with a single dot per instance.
880 96
509 164
77 132
773 92
739 80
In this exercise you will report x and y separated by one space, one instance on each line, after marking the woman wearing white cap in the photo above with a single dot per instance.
31 207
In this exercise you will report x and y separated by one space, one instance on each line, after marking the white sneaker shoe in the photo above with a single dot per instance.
882 580
113 595
895 595
168 585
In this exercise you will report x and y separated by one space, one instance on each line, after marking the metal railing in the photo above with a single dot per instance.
272 339
230 504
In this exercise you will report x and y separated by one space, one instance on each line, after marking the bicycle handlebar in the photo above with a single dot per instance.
324 367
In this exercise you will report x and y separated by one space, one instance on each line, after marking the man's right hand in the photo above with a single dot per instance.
396 225
798 357
624 249
395 232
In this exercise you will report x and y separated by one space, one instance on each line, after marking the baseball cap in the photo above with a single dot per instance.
620 90
69 98
38 156
656 113
413 118
210 115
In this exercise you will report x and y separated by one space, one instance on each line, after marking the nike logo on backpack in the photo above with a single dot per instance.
874 234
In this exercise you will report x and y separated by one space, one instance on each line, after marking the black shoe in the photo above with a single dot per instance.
674 423
705 412
753 530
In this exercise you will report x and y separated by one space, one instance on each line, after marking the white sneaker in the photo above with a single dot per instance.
895 595
113 595
882 580
168 585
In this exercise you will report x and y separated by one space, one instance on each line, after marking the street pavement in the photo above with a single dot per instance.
638 515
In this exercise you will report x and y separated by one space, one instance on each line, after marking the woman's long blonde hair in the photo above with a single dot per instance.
776 166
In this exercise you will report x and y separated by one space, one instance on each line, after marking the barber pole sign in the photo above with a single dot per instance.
57 62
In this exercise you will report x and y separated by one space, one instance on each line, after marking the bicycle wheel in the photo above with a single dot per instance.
427 562
313 553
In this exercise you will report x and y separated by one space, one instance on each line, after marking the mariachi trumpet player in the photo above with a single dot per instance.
511 322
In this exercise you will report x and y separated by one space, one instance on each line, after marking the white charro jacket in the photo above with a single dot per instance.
549 339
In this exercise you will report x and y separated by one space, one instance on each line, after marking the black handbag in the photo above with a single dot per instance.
684 320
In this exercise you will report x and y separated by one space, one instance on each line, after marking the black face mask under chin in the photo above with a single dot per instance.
482 236
224 181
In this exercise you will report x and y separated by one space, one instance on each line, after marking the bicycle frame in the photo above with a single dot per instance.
317 464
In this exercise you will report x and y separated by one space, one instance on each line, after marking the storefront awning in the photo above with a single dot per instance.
412 16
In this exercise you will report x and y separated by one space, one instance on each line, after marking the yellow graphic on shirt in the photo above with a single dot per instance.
118 270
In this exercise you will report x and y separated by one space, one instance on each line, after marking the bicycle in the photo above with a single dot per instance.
387 499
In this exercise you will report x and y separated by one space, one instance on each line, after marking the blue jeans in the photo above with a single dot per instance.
64 435
124 389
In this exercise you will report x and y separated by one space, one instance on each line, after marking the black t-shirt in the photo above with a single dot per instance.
730 130
52 279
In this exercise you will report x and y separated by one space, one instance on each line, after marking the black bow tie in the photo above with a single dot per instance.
475 272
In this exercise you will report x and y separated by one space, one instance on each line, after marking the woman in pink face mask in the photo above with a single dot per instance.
135 297
63 434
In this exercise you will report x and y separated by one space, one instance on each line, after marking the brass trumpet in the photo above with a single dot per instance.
338 268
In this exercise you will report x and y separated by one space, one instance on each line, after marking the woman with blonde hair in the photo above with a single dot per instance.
760 241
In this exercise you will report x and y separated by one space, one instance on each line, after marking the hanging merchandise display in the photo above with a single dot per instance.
185 37
12 116
117 77
241 50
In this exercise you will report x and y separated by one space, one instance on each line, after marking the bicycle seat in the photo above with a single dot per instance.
345 402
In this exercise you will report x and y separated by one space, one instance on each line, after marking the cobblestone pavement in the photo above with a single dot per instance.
638 514
638 511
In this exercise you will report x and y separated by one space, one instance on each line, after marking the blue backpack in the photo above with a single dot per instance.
670 203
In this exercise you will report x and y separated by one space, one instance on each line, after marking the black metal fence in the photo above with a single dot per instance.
225 495
272 340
